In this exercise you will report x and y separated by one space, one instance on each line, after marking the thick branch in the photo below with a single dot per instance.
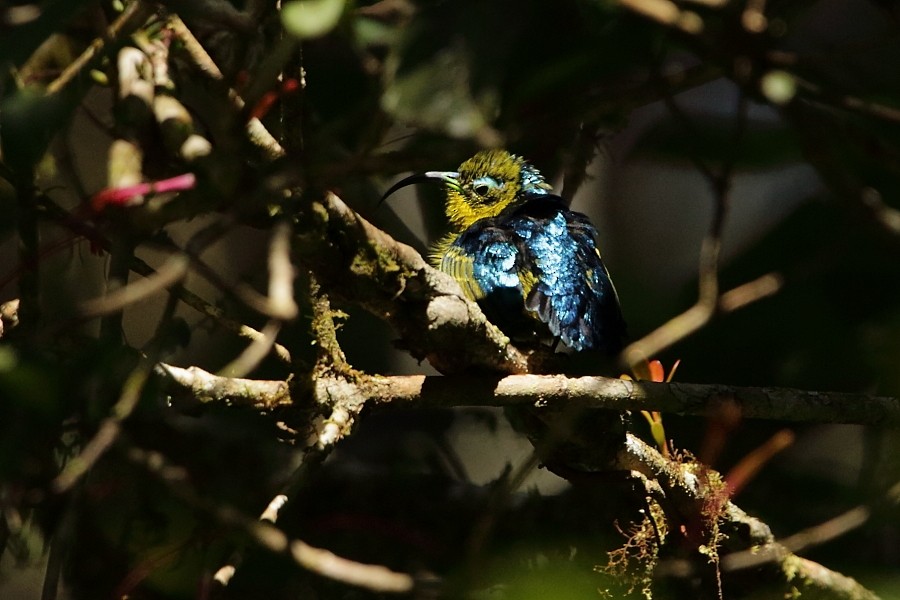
691 495
357 262
686 490
205 387
780 404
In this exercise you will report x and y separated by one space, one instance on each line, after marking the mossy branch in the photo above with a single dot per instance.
356 262
780 404
684 490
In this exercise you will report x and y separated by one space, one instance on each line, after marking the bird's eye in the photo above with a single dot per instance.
483 185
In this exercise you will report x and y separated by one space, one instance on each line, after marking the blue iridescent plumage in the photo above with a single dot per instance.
532 265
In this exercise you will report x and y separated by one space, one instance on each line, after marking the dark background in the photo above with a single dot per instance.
579 88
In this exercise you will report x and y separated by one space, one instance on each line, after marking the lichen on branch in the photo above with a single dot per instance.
356 262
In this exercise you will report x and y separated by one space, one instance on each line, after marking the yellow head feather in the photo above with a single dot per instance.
486 184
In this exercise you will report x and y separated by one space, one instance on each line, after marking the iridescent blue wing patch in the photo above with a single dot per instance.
573 293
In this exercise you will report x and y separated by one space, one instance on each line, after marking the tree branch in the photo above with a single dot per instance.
781 404
134 15
546 391
205 387
691 496
686 491
357 262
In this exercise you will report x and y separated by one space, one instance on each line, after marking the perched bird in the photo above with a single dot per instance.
532 265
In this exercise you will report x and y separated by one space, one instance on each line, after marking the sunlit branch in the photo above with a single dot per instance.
205 387
554 391
393 281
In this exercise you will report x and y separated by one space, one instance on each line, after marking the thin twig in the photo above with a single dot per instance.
312 458
322 562
281 302
214 312
224 574
108 432
748 293
708 298
254 353
241 291
694 318
134 15
258 133
812 536
171 272
111 427
752 463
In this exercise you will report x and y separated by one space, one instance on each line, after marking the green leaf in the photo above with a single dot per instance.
307 19
27 386
437 94
28 121
779 87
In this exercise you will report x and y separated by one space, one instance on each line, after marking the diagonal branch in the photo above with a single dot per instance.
320 561
357 262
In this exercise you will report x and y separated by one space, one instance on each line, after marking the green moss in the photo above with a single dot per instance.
635 561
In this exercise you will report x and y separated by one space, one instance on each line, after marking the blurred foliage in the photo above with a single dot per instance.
386 87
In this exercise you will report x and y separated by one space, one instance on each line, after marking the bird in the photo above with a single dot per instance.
533 266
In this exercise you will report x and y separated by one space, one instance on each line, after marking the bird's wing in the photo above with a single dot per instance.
539 263
603 308
573 293
489 262
484 260
460 264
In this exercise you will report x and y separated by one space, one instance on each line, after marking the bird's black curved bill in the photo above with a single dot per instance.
428 176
